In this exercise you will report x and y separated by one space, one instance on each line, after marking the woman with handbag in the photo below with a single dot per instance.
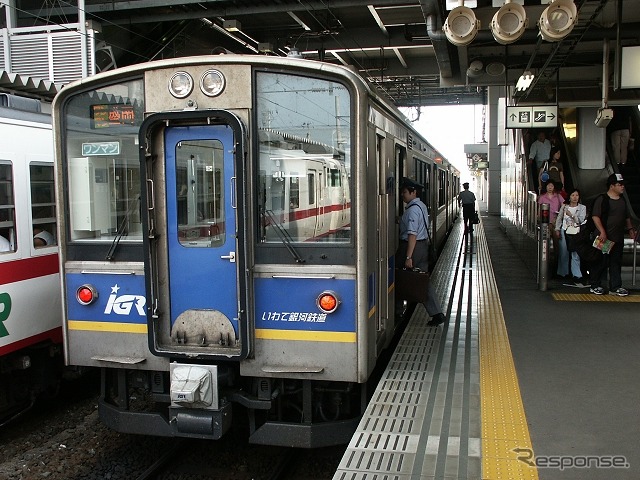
552 171
572 214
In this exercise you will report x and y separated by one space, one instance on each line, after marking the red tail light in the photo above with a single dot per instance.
328 302
86 294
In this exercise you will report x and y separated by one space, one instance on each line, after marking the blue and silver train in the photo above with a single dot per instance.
227 227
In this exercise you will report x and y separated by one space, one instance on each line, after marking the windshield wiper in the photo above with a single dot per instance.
284 236
121 229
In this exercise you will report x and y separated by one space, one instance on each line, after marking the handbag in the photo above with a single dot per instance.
411 285
572 229
544 176
476 218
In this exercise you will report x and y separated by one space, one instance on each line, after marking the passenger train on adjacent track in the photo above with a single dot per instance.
227 228
31 360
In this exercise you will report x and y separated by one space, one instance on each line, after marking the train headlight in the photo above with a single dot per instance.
180 84
212 83
328 301
86 294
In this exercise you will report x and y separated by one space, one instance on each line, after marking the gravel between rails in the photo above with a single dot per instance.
63 438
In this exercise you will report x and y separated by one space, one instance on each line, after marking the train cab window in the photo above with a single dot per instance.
43 205
304 125
7 208
102 164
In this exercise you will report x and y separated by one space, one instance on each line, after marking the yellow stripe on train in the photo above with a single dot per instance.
341 337
107 326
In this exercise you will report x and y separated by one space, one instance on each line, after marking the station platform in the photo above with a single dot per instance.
518 384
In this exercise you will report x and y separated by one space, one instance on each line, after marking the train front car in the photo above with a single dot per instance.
216 259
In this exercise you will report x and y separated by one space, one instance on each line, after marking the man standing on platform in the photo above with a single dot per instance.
611 218
468 201
413 251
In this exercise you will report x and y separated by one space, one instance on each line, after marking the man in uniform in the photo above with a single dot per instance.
468 201
413 251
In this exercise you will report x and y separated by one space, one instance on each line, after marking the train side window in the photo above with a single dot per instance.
43 204
7 208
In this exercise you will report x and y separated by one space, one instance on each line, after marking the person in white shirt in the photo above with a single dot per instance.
42 238
5 246
538 154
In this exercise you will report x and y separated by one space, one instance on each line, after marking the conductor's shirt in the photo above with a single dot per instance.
413 221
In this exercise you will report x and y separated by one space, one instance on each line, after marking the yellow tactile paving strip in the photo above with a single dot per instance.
590 297
505 435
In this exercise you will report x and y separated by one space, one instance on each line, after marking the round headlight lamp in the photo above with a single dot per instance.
180 84
212 83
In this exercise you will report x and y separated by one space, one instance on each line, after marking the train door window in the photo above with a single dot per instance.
304 125
335 179
294 191
7 208
442 187
311 180
43 204
199 173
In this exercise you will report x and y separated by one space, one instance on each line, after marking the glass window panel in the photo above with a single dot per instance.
7 209
200 201
304 130
103 165
43 205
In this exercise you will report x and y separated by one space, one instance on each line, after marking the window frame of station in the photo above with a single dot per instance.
88 250
318 253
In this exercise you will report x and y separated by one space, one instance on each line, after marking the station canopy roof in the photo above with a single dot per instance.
398 45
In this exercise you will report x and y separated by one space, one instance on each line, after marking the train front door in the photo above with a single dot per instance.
201 207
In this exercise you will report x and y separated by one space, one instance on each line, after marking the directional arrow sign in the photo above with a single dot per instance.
536 116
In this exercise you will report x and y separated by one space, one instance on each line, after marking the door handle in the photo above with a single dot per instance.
231 257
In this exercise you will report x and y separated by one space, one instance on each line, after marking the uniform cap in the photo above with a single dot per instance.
408 183
465 184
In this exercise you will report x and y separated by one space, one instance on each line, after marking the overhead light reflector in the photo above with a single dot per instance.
557 20
232 25
509 23
461 26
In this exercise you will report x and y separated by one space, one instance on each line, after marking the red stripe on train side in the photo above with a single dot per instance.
55 335
27 268
314 212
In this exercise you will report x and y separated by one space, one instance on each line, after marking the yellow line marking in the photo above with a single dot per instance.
342 337
590 297
107 326
503 420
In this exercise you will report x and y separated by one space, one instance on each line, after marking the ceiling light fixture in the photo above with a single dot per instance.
524 81
557 20
461 26
509 23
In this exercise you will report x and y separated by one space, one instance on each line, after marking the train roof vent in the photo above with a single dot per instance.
20 103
